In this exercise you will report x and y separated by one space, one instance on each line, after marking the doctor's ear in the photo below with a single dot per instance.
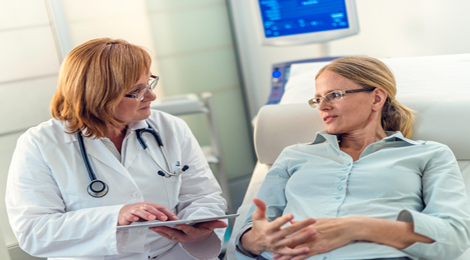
379 96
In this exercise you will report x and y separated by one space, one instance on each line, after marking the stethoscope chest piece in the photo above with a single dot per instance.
97 189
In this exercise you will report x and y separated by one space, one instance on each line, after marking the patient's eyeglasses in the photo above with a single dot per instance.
151 84
335 95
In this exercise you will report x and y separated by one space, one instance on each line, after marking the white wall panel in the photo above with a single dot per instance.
25 103
85 10
27 53
123 19
24 13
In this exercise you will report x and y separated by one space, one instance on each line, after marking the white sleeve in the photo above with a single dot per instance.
39 217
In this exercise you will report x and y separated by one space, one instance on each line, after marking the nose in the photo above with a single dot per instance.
149 95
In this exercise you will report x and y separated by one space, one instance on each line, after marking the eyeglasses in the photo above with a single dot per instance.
151 84
335 95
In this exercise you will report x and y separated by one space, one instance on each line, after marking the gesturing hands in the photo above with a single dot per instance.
269 236
331 233
144 211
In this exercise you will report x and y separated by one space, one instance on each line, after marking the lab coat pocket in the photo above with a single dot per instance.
173 188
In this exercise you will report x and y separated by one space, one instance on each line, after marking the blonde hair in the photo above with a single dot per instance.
93 79
372 73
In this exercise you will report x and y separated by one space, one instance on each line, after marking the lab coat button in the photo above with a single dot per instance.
141 231
136 195
146 247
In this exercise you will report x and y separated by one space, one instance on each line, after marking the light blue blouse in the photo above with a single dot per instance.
395 178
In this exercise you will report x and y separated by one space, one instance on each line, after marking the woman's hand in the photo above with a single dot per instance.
268 236
187 234
331 233
144 211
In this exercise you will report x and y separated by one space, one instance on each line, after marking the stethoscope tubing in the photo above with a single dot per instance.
103 190
99 192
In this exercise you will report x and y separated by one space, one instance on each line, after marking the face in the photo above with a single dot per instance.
130 110
350 114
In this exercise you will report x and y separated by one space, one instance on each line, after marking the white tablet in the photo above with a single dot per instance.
173 223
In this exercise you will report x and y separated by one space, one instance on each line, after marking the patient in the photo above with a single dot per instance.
362 189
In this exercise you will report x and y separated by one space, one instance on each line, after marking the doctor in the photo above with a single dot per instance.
75 178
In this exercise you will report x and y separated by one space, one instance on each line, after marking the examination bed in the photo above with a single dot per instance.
436 87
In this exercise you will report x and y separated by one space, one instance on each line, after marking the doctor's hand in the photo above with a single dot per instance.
144 211
269 236
186 233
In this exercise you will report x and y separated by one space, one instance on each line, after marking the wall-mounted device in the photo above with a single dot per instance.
294 22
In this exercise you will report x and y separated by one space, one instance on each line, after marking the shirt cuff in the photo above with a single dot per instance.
244 252
238 244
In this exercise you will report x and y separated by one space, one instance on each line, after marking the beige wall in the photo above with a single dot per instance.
195 53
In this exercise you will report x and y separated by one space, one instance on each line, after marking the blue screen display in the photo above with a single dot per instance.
289 17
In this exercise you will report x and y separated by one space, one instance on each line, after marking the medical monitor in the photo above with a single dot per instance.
295 22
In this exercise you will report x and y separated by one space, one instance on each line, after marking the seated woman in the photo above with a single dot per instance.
362 189
75 179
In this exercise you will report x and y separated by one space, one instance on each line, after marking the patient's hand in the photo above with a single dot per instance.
269 236
331 233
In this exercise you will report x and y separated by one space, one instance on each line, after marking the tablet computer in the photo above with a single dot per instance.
173 223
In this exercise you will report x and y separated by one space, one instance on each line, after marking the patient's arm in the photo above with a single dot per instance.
397 234
332 233
269 236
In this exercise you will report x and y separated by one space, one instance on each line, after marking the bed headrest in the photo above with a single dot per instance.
444 121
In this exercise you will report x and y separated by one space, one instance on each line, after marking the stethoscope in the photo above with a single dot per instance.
99 188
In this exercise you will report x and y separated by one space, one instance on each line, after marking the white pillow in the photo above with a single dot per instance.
430 77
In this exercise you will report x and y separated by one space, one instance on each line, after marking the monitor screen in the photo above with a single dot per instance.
290 22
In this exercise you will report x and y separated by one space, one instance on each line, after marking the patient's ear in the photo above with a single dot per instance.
379 99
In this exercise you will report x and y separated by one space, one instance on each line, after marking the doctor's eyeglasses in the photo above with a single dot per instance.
335 95
151 84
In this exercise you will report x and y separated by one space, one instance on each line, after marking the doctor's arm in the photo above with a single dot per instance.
199 196
38 214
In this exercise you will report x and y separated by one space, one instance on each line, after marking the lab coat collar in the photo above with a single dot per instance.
68 138
97 149
139 125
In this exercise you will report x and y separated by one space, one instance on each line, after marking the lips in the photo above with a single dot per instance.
328 119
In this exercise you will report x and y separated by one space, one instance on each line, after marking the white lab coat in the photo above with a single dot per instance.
52 215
